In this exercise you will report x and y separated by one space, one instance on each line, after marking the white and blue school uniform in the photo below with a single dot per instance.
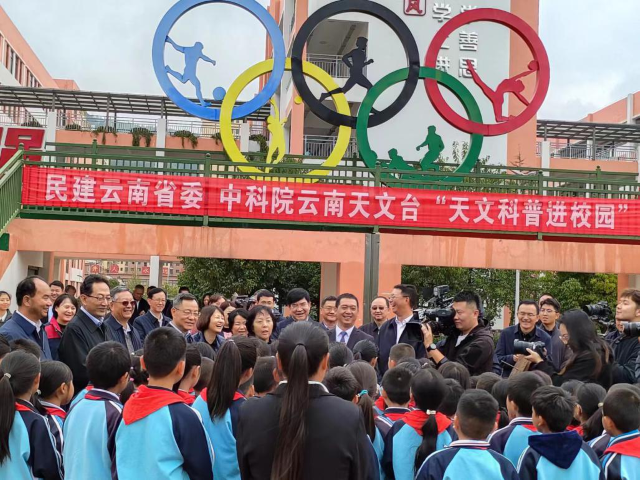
513 439
621 460
55 416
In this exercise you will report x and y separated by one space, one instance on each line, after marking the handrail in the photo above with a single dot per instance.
10 190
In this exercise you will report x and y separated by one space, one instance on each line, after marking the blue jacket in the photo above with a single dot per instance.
147 323
559 455
385 420
412 335
32 447
162 437
621 460
55 417
222 432
18 327
89 431
403 440
513 439
600 444
286 321
119 336
199 337
467 459
504 348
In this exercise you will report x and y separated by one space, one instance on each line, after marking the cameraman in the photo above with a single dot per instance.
525 331
471 344
625 348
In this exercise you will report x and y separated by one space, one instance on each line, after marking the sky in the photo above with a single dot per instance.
106 46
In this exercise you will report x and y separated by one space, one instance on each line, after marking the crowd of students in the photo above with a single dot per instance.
314 410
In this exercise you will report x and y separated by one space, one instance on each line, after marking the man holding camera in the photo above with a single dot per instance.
624 343
471 344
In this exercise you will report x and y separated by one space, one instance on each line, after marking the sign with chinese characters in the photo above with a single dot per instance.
11 137
95 268
330 203
415 7
146 271
114 269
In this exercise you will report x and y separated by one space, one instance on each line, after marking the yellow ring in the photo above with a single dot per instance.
253 72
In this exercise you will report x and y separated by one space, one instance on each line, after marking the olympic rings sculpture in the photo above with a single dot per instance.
367 116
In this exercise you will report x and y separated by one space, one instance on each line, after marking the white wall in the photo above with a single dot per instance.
18 268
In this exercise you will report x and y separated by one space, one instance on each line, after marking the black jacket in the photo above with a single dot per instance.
119 335
372 329
336 445
147 323
582 368
474 352
355 337
560 352
412 335
142 306
80 336
625 351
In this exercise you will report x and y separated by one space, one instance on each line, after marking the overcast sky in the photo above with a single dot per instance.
593 45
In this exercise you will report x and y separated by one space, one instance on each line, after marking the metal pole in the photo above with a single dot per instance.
515 305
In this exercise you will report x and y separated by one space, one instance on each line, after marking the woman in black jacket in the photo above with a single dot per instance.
301 431
591 359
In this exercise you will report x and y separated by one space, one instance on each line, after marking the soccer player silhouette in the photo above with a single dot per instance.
191 57
276 128
510 85
436 146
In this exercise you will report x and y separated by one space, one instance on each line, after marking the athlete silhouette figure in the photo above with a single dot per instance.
356 60
191 57
510 85
276 129
436 146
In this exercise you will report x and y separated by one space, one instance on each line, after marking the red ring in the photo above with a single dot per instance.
525 32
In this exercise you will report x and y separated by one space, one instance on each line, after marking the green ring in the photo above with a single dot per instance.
453 85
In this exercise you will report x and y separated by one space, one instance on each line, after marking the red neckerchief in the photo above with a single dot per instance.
380 404
22 408
531 428
416 419
147 401
188 399
56 412
575 428
630 448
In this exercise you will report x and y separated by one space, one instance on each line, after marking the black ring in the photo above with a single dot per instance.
381 13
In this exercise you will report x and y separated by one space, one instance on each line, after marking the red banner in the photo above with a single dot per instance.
329 203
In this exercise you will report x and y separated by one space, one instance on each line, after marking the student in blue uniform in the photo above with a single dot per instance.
27 446
90 427
512 440
420 432
56 389
556 452
219 404
159 434
621 419
396 392
185 387
470 457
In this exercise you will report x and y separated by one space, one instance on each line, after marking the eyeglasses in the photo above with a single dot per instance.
189 313
564 336
393 297
378 308
101 298
127 303
545 310
527 315
329 309
159 300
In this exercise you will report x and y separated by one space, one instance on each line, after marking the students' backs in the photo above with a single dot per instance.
513 439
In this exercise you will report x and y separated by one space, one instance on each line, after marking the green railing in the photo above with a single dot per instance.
10 190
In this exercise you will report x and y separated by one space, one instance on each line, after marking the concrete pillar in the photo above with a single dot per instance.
638 162
388 276
245 133
628 281
50 130
155 271
328 279
545 155
630 109
161 135
351 280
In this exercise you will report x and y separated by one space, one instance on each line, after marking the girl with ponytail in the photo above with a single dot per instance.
219 404
24 433
420 432
301 431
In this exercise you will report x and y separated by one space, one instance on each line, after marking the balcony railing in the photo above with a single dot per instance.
21 116
321 146
586 151
332 64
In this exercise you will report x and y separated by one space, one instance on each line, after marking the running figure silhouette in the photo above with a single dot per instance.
510 85
435 148
356 60
191 57
276 142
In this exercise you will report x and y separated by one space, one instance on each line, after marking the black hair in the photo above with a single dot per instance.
519 391
263 349
428 389
5 348
60 300
529 302
477 411
128 391
52 375
263 379
192 359
57 283
365 350
238 311
555 406
264 293
86 287
571 386
301 349
246 386
206 368
410 292
386 300
68 288
18 372
583 338
330 298
297 294
590 396
183 288
137 374
164 349
552 302
458 372
26 345
253 313
401 350
410 364
396 383
473 380
236 356
487 380
469 298
3 292
107 362
206 351
499 392
341 383
622 406
139 286
339 355
449 404
544 376
27 287
154 291
345 296
367 380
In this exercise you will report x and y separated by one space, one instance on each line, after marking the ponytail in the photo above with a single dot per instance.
429 440
592 428
367 380
429 389
236 356
301 348
18 371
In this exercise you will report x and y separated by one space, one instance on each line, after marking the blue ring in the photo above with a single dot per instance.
240 111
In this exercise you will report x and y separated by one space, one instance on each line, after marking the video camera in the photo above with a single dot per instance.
601 314
631 329
520 347
437 312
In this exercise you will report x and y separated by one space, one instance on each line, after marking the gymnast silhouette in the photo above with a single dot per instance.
510 85
191 57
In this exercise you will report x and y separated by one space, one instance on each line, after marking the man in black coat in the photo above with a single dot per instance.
380 308
119 321
625 348
347 307
142 306
155 317
86 329
299 303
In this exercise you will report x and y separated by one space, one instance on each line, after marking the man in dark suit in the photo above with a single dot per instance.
154 318
119 321
33 296
86 329
379 315
142 306
347 307
299 303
